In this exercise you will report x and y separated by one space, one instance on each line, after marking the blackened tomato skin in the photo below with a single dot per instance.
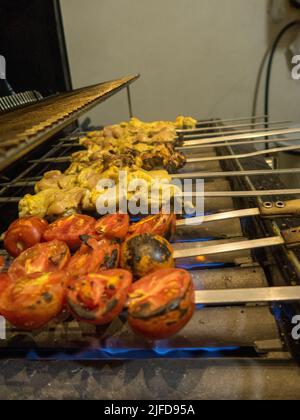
33 301
98 299
145 254
70 229
94 256
161 304
24 233
160 224
42 258
114 226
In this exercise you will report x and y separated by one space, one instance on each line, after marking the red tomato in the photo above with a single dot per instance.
34 300
5 281
2 263
69 229
42 258
113 226
94 256
161 304
160 224
23 234
145 254
99 298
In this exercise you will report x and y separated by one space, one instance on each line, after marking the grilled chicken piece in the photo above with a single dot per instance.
89 178
56 179
38 204
75 168
51 202
182 123
66 202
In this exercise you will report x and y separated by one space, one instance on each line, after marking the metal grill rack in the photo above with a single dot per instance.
25 129
8 103
249 331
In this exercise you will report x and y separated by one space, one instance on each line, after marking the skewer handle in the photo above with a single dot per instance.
280 208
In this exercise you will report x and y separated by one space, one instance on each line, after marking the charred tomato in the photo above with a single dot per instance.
69 229
161 304
113 226
42 258
94 256
33 301
144 254
99 298
24 233
159 224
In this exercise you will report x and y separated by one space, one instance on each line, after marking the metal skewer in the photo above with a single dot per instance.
268 209
228 174
193 175
254 193
244 296
189 131
206 194
239 143
290 238
246 155
246 136
227 133
221 121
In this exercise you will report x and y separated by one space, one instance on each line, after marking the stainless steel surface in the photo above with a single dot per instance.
230 278
242 296
245 155
200 249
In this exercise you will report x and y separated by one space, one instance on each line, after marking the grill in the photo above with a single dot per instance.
247 331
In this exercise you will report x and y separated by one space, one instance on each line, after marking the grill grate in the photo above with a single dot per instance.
212 330
25 129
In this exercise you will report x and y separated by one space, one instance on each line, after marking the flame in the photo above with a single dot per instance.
201 258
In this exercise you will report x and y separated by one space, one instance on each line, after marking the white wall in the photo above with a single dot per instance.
197 57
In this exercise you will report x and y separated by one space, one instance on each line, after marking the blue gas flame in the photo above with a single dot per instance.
134 354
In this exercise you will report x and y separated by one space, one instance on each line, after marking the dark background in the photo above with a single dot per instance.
32 41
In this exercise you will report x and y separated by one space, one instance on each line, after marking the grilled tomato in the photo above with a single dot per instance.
99 298
161 304
144 254
42 258
69 229
113 226
94 256
5 282
34 300
24 233
160 224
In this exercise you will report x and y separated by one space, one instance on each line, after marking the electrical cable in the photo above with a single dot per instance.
269 69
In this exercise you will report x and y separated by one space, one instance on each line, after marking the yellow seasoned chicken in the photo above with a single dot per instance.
134 148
